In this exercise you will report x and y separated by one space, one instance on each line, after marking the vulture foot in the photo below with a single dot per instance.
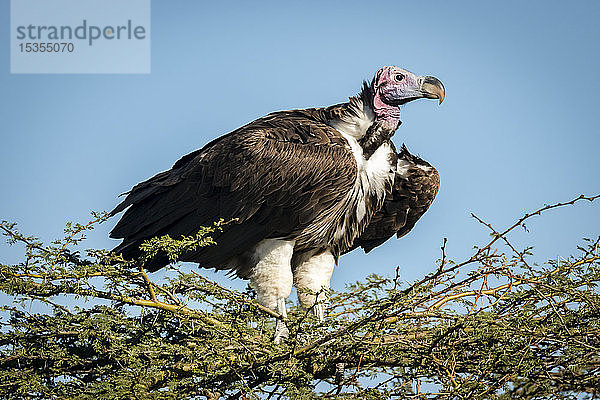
319 311
281 332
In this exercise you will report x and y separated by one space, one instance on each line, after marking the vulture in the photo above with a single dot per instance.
301 187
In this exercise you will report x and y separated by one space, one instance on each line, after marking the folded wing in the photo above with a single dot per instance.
415 187
274 176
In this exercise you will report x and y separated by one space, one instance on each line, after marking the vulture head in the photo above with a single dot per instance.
393 86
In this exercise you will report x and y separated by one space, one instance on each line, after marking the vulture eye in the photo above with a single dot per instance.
399 77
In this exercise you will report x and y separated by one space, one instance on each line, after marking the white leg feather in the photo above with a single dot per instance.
272 279
314 275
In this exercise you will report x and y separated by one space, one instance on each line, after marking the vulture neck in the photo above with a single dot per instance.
360 121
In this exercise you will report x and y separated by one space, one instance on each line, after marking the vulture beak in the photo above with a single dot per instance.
432 88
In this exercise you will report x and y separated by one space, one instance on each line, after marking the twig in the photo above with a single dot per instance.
240 297
148 284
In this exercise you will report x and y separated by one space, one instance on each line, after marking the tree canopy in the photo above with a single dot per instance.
492 326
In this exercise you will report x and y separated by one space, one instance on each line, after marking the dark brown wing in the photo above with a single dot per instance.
415 186
275 175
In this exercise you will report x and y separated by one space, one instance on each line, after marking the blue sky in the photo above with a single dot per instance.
518 128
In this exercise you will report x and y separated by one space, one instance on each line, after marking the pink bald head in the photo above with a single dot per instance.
393 86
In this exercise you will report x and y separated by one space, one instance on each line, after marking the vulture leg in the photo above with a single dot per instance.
281 330
312 275
271 278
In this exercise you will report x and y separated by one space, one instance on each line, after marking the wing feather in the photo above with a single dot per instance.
275 175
